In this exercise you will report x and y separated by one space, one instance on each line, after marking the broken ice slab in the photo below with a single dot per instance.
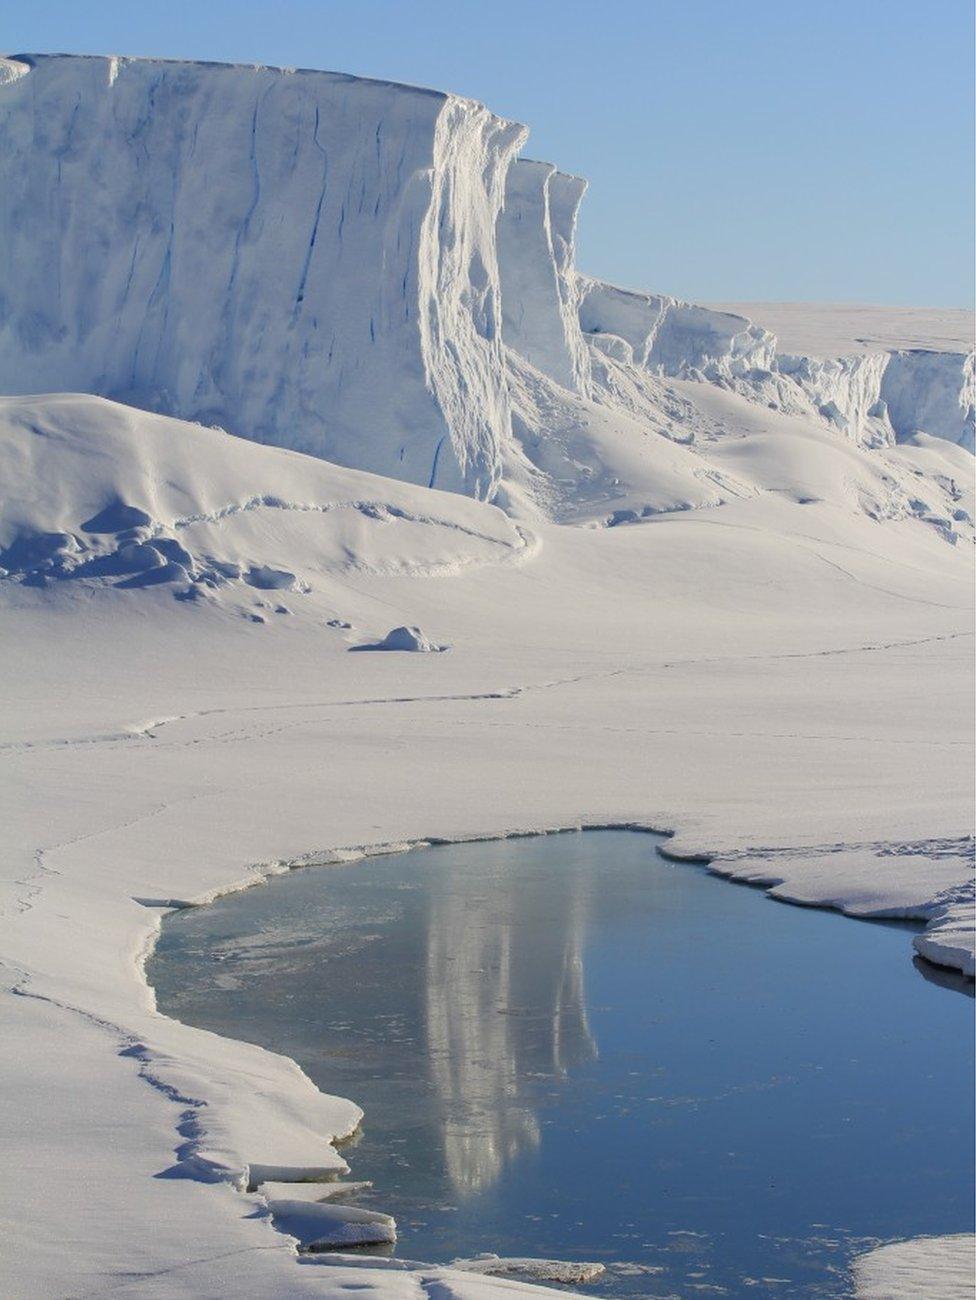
569 1272
265 1173
324 1226
332 1191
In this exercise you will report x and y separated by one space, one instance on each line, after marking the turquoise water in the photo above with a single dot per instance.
568 1046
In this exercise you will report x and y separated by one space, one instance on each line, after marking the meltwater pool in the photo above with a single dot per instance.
568 1046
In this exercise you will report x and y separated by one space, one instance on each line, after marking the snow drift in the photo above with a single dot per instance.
99 493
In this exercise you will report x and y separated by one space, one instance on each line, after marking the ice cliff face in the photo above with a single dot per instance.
303 258
931 391
540 287
887 397
365 272
669 337
876 399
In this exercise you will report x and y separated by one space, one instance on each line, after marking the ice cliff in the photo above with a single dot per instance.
303 258
540 287
875 398
362 271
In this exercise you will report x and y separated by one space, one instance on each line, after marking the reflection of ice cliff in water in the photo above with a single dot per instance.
504 1002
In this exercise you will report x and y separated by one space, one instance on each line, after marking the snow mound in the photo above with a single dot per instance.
410 639
99 493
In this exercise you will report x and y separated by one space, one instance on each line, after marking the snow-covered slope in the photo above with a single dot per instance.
111 494
781 679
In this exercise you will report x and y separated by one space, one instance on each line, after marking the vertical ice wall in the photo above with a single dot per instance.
874 398
346 267
931 391
304 258
540 296
670 337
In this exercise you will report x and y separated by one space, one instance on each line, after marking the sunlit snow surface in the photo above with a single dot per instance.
568 1047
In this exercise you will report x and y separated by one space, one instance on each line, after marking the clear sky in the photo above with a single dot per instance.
736 149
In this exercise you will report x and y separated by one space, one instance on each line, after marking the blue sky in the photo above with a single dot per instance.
763 150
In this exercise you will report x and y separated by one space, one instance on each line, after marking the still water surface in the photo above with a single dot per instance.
568 1046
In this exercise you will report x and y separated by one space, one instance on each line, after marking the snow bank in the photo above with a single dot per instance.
321 1226
97 492
948 938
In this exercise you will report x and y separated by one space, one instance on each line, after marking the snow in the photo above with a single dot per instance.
684 587
411 639
538 1270
323 1226
940 1268
329 1191
845 329
810 727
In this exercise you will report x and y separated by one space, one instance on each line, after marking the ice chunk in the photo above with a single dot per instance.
332 1191
568 1272
324 1226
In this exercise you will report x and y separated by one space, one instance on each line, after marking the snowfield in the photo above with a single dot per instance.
685 576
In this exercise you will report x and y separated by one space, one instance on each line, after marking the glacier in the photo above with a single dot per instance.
289 359
304 258
343 267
